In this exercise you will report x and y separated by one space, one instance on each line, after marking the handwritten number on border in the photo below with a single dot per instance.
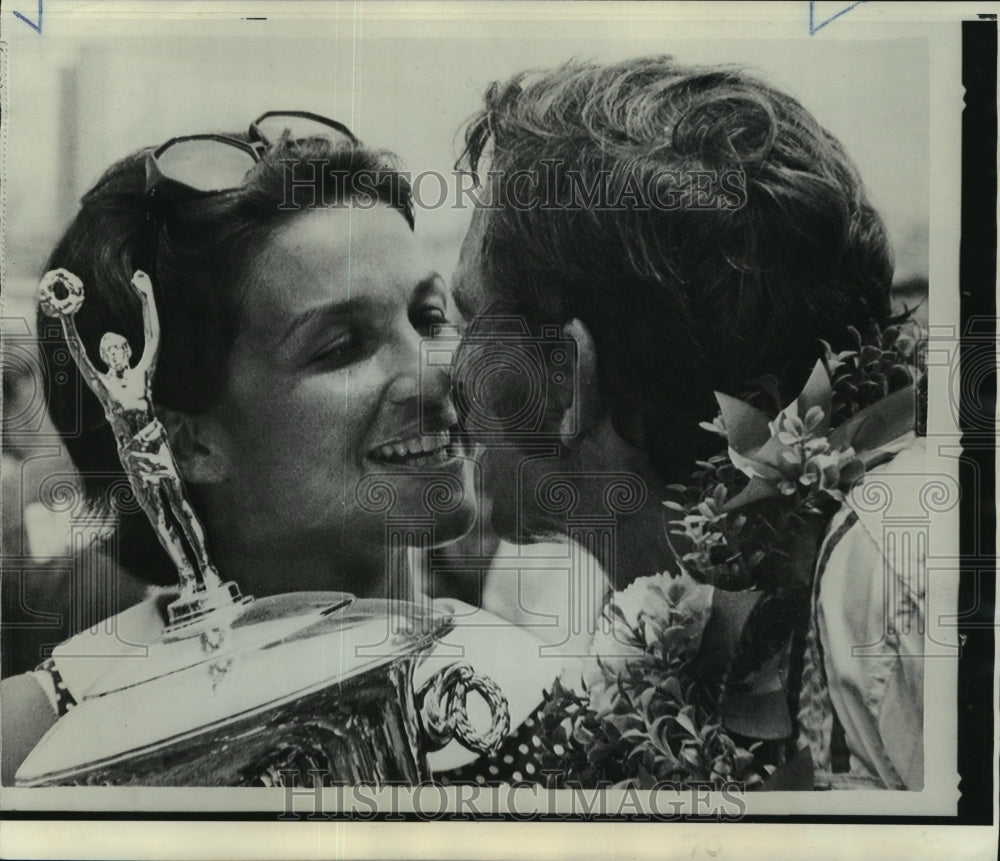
35 25
814 27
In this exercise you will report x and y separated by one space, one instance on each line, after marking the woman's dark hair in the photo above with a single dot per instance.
198 254
682 297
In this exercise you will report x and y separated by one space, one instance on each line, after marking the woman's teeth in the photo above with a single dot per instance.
423 448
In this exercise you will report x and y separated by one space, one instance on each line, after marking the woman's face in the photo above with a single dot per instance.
331 422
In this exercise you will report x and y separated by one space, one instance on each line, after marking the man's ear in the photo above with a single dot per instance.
574 384
198 444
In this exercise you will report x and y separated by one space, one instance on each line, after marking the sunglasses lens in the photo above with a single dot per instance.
205 165
271 128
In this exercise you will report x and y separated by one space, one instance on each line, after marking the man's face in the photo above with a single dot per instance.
501 389
468 289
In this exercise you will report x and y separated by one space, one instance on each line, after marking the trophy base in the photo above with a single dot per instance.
188 609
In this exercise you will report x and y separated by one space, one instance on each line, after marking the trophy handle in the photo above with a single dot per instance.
441 702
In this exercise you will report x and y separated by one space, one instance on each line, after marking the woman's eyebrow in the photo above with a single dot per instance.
324 313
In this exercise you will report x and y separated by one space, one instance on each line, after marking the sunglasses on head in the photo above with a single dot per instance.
201 165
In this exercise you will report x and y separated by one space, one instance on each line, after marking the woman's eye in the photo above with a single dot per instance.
338 352
428 318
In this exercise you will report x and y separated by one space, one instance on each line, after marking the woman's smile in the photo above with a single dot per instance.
418 450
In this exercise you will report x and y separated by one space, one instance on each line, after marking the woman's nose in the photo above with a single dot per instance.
422 373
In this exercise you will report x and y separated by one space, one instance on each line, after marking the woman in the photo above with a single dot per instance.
285 306
293 297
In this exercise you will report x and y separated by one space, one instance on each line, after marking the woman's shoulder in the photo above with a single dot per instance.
87 655
554 589
28 708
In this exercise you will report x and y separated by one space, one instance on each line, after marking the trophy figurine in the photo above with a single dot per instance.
304 688
125 392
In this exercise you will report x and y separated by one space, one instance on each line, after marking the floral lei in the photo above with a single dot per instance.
752 518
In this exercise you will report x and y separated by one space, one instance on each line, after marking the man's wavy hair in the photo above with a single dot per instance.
680 301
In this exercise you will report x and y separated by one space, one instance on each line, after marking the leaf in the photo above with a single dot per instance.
671 686
870 354
817 393
878 424
813 417
716 427
683 718
622 723
758 489
583 735
889 336
719 495
899 377
852 472
644 699
646 779
690 755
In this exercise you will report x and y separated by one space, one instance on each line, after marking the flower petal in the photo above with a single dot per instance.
772 454
746 426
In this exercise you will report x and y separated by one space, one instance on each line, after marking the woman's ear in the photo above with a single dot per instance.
198 445
575 385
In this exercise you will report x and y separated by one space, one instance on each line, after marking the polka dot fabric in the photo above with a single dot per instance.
64 700
517 761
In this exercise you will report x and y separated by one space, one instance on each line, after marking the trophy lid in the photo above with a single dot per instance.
265 654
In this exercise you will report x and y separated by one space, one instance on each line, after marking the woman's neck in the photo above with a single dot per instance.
264 564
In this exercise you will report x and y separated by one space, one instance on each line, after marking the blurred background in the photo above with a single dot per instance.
83 99
93 90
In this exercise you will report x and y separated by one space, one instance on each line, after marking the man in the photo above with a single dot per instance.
675 232
668 294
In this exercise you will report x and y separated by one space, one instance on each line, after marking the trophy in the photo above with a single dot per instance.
301 688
